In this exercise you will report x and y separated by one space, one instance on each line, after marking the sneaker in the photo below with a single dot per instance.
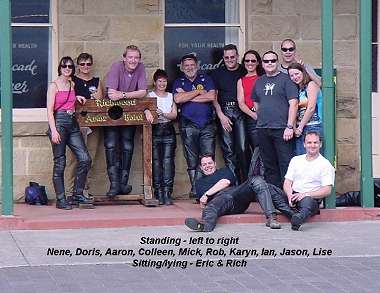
272 223
194 224
296 221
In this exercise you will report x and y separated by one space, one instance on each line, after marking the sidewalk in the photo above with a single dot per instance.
135 214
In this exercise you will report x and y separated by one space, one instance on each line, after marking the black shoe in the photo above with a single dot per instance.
194 224
126 189
114 189
296 221
80 198
63 204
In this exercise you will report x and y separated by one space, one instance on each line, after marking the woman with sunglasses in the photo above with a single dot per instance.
64 131
89 87
252 71
309 115
164 139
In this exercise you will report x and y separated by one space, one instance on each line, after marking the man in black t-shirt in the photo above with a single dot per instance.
218 198
231 118
276 100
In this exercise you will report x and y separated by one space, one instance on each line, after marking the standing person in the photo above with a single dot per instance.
164 138
231 118
89 87
308 180
309 115
275 97
125 80
219 198
253 70
195 93
288 54
64 131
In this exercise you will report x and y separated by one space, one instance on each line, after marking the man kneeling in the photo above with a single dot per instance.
218 197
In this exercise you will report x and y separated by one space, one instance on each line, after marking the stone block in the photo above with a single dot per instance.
346 6
308 7
109 7
72 49
71 6
345 27
91 28
279 7
150 28
347 131
37 142
347 81
347 179
272 28
346 53
29 128
260 47
310 27
259 7
310 52
348 155
20 161
40 161
347 107
148 7
150 54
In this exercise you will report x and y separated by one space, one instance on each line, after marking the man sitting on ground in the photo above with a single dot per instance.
218 198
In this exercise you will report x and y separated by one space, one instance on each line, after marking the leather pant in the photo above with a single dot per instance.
251 132
119 144
196 141
233 144
70 134
164 145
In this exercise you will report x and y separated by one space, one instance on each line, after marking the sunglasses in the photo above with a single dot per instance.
270 60
69 66
291 49
229 57
85 64
250 60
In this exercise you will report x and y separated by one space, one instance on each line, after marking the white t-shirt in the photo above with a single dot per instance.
308 176
164 104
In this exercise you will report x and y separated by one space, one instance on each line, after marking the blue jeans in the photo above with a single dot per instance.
300 149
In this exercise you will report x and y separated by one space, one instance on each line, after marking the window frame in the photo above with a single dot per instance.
40 114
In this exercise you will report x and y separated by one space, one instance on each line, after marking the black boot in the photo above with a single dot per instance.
192 193
168 197
126 161
62 203
113 172
160 196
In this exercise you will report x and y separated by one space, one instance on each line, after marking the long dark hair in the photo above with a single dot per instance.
259 67
63 61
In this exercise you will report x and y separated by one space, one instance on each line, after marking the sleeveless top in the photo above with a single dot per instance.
248 83
164 104
316 118
85 87
65 100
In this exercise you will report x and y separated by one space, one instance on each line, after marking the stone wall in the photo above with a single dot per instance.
271 21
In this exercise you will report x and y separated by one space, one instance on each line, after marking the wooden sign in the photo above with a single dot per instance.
105 112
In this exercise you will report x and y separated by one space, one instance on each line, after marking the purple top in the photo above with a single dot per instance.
118 78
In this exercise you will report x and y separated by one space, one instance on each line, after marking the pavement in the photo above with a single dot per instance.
241 257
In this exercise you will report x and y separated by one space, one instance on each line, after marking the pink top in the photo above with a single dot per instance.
62 102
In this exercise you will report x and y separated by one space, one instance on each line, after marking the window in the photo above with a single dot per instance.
32 39
202 27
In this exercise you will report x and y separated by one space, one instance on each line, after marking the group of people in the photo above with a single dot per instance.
259 104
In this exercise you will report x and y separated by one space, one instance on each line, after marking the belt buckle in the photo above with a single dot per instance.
70 112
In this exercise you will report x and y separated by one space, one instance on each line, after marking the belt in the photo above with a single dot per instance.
230 104
69 112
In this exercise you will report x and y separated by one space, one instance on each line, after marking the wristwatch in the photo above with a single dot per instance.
289 126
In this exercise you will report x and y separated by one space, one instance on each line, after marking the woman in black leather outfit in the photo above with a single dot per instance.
64 131
164 139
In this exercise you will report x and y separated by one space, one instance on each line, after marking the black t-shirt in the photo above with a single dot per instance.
205 183
85 87
273 94
226 83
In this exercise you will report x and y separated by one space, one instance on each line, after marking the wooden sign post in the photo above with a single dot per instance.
105 112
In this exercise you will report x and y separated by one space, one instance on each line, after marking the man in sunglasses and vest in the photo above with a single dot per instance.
288 54
276 100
